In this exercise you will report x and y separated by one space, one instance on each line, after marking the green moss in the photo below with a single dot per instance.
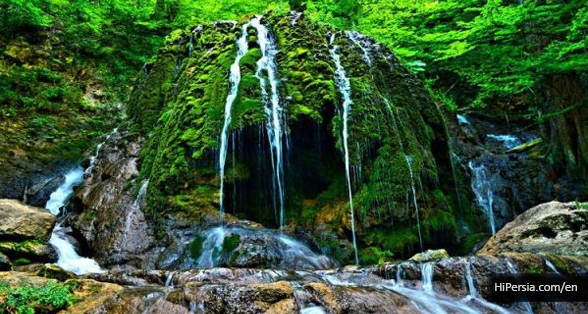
231 242
21 261
181 107
195 247
249 60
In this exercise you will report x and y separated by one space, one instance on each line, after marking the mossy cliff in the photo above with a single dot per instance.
53 104
178 104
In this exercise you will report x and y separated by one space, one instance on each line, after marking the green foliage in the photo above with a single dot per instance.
374 255
28 299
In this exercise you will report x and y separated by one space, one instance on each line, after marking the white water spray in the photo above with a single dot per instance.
482 188
427 275
344 87
68 258
416 206
275 116
234 80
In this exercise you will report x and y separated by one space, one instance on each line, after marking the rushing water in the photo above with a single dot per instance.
344 87
482 187
427 275
68 258
58 197
416 206
526 305
234 80
509 141
462 119
550 265
275 116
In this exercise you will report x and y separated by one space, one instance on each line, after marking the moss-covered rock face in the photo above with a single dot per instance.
394 129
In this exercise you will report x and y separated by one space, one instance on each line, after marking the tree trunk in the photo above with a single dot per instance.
568 128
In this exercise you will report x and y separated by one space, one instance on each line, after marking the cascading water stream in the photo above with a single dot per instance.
354 37
273 110
234 80
413 190
136 206
344 87
526 305
68 258
473 293
482 188
58 197
550 265
288 248
97 151
427 275
211 247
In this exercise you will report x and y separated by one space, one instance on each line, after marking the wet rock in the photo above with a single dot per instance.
20 221
240 245
5 263
362 300
109 207
51 271
29 251
429 255
555 228
38 194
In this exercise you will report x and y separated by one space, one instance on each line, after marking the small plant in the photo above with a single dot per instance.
29 299
580 205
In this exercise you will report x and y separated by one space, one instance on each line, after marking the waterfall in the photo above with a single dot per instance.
509 141
473 293
355 38
58 197
416 206
482 188
169 280
526 305
136 206
462 119
344 87
275 116
68 258
97 151
234 80
291 251
427 275
212 246
551 266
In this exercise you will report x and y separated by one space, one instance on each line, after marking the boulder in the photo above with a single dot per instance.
109 216
29 251
550 228
21 222
429 255
5 263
